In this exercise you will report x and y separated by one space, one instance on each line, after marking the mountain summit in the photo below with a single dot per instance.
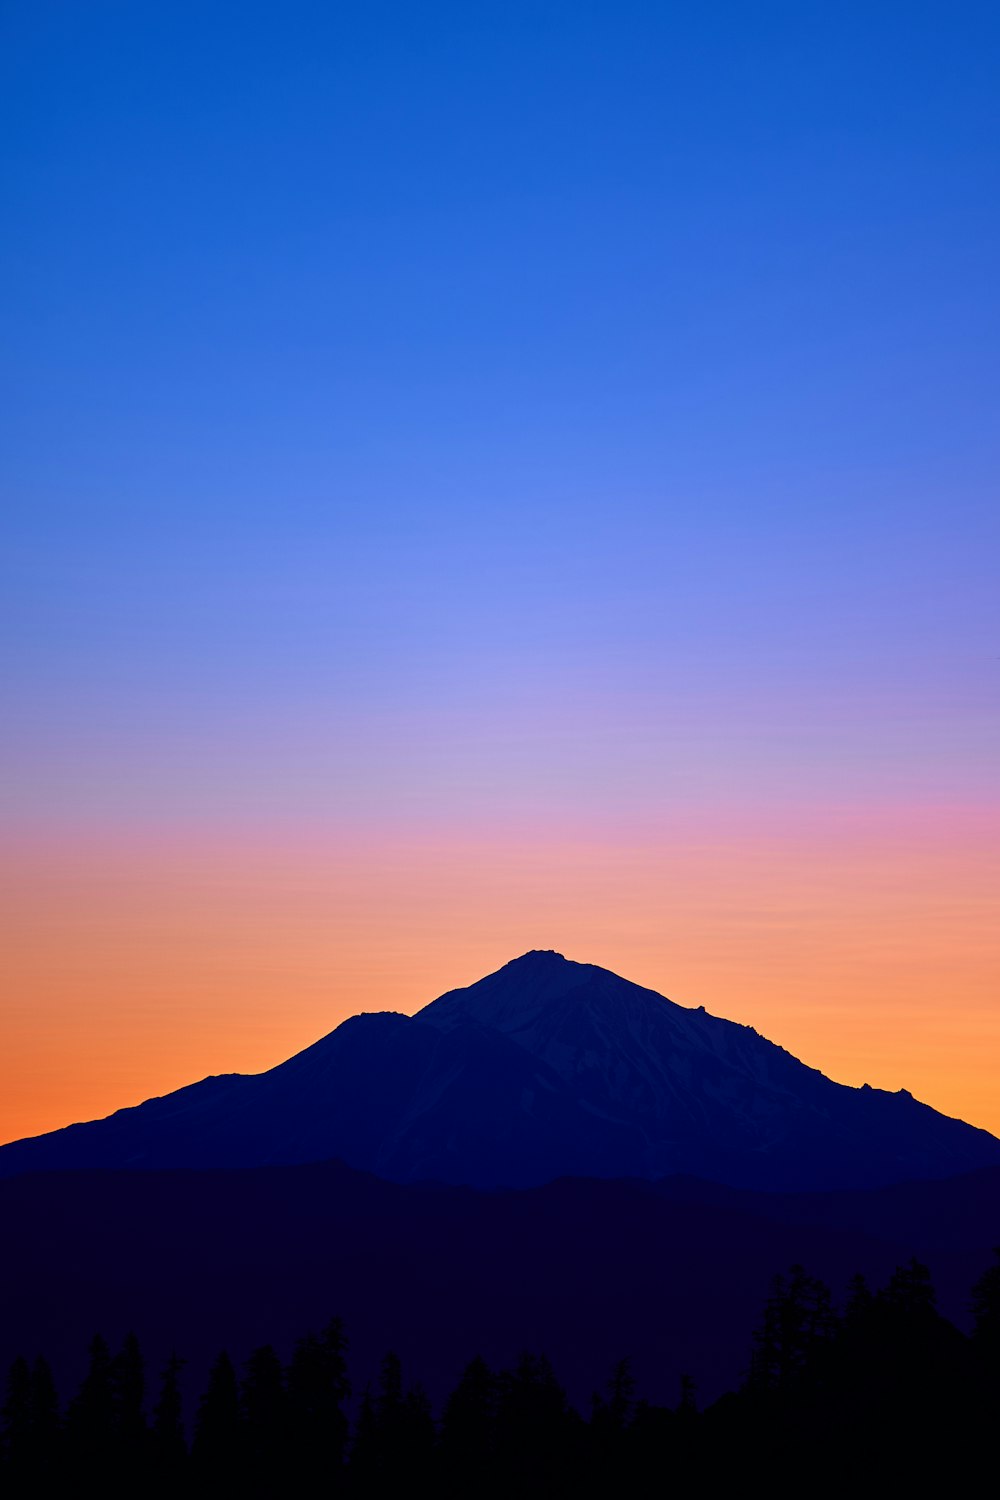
546 1068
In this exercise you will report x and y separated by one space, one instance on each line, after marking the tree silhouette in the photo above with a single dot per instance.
45 1421
611 1416
30 1445
889 1394
986 1315
168 1449
613 1412
363 1466
859 1301
128 1384
17 1444
468 1428
687 1405
390 1422
217 1450
419 1434
909 1294
318 1389
533 1425
263 1407
90 1419
799 1320
395 1433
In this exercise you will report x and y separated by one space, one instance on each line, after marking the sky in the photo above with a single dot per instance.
489 477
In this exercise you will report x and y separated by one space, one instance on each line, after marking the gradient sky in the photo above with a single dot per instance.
482 477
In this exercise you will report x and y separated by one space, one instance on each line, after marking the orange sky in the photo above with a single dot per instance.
494 482
864 942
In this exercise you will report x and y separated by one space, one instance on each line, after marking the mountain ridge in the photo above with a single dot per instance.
545 1068
674 1275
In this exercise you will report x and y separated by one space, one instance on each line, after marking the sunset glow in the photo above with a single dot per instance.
862 943
496 481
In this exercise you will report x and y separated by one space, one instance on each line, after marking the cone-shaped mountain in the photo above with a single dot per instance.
546 1068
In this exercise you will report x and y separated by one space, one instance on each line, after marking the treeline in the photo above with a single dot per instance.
880 1391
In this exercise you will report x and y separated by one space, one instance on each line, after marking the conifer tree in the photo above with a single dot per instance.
909 1292
390 1420
418 1433
318 1389
986 1316
859 1300
610 1417
168 1448
614 1410
468 1428
687 1404
128 1381
533 1424
46 1432
16 1413
30 1438
264 1414
365 1456
90 1419
394 1437
798 1320
217 1449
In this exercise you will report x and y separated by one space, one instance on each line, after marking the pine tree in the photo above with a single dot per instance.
363 1465
468 1428
167 1445
30 1446
615 1410
799 1319
318 1389
418 1432
46 1433
264 1412
128 1381
217 1449
16 1413
394 1438
610 1417
533 1425
687 1405
90 1420
986 1316
390 1423
910 1292
859 1300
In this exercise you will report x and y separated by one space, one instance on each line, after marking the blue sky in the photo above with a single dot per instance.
375 357
488 477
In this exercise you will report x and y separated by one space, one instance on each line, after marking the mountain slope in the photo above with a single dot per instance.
545 1068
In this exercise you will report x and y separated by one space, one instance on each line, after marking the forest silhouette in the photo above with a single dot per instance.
878 1391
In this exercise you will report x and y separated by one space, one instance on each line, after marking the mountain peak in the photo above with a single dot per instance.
520 989
546 1067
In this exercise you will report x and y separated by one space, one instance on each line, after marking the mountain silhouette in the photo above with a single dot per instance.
546 1068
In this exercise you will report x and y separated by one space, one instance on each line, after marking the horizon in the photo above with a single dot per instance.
492 479
519 959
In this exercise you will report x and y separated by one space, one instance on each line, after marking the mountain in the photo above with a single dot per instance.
672 1275
546 1068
